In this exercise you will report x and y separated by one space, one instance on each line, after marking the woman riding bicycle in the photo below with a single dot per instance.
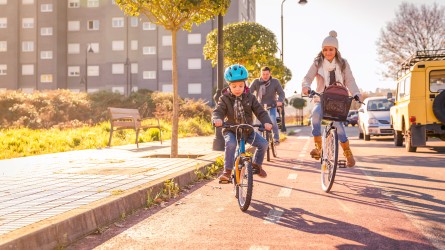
329 68
237 106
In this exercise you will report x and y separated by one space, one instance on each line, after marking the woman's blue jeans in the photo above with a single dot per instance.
316 118
229 155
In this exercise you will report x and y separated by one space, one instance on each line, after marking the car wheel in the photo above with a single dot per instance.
367 137
360 133
408 145
439 107
398 138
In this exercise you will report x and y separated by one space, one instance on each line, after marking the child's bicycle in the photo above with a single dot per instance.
242 173
329 150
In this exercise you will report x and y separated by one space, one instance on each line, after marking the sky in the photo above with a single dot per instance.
358 24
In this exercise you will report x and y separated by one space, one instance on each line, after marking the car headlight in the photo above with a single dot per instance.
373 121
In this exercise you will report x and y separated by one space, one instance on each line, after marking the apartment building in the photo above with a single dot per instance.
90 45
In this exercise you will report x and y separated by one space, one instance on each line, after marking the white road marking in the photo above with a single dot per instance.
345 208
292 176
285 192
273 216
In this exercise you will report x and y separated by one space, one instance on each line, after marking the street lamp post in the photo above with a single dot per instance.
302 2
283 115
218 141
89 49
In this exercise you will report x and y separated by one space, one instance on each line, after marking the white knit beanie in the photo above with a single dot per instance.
331 40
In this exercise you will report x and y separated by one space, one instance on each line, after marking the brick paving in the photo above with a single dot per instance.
36 188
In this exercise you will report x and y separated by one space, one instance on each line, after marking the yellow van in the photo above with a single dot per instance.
419 107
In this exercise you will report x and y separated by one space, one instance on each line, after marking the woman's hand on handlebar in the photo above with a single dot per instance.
217 122
268 126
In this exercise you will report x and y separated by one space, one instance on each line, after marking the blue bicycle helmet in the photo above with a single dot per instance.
236 72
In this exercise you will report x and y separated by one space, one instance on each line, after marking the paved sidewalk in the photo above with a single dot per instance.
47 201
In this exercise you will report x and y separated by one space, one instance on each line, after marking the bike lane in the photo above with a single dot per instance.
288 211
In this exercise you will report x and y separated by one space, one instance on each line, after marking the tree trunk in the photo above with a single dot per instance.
175 118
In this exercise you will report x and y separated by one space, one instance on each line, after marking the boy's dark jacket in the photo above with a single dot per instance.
224 109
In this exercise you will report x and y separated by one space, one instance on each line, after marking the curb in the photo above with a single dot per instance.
64 229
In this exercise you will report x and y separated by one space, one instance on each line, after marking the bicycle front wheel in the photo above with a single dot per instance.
245 186
267 136
329 159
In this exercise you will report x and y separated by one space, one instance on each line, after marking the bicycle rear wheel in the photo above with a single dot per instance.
329 158
245 186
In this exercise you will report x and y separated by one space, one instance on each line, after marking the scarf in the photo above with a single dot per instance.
331 66
262 89
239 110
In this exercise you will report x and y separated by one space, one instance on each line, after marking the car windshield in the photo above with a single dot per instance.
379 105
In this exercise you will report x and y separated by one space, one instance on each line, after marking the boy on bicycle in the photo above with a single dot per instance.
237 106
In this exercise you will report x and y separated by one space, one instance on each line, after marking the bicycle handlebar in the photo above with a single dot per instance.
243 126
313 92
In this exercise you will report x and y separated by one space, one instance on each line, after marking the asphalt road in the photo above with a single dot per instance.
392 200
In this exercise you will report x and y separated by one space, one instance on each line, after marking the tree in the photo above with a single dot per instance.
298 103
174 15
412 29
249 44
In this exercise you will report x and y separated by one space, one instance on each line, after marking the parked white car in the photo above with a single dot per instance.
374 118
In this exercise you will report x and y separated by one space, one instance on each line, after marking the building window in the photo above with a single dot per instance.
117 45
27 2
73 25
3 23
73 71
3 68
93 3
149 50
28 46
134 44
95 47
48 7
148 26
93 25
194 63
46 78
3 46
167 65
73 3
3 2
149 75
194 88
167 87
117 22
46 31
134 21
28 23
166 40
45 55
134 68
27 69
93 70
194 38
117 68
73 48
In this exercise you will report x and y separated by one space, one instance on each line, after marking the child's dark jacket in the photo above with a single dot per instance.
224 109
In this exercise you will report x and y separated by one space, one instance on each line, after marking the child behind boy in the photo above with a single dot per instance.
237 106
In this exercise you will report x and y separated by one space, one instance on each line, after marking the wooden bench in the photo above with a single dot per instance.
121 118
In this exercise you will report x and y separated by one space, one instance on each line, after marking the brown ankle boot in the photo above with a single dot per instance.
226 175
350 162
316 152
259 170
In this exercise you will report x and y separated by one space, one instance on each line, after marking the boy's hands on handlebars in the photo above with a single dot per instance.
217 122
267 126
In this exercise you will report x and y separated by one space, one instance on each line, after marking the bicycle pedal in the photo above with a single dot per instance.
341 163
